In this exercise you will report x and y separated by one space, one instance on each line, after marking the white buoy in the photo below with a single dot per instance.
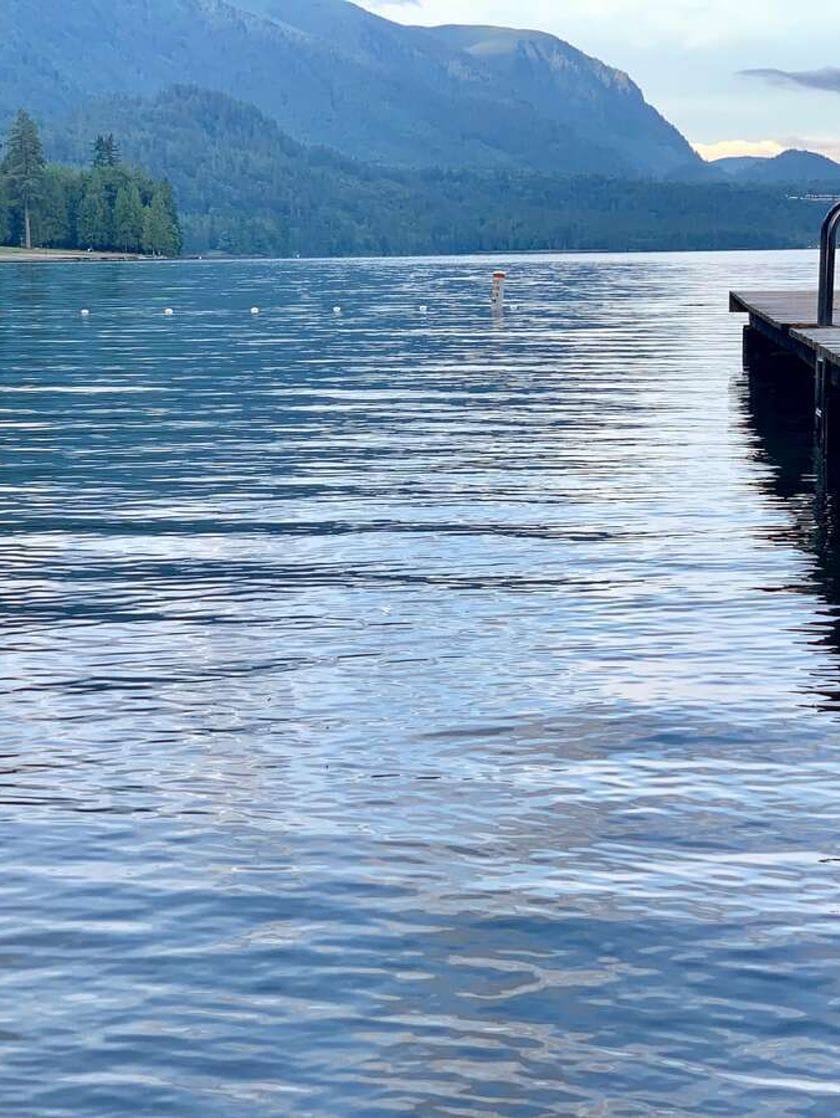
424 309
497 297
336 310
85 313
169 312
255 310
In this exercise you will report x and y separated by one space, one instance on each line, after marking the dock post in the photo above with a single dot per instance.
827 416
750 347
820 404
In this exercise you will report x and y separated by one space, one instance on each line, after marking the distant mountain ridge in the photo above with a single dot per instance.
330 73
788 167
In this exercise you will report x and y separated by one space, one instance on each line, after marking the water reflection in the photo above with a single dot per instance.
403 715
779 407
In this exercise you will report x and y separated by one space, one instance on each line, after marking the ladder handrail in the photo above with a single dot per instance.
828 253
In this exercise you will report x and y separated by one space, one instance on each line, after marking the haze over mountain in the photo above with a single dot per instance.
330 73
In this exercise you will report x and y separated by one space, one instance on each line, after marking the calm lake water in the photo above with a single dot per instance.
412 713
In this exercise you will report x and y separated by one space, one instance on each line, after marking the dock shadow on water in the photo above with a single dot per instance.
779 408
408 716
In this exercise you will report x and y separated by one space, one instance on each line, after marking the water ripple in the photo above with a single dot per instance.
412 712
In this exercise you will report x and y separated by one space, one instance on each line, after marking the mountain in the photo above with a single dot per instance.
735 166
243 186
332 74
790 167
563 83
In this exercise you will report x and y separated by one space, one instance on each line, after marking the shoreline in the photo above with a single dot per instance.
63 256
73 256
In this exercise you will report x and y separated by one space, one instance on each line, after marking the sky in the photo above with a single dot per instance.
692 59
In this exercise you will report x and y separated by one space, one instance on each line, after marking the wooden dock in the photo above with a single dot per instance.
791 339
784 324
783 342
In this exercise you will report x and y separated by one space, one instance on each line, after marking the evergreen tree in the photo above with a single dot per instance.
110 207
112 179
105 151
128 219
161 232
52 223
24 168
5 212
175 236
99 156
94 221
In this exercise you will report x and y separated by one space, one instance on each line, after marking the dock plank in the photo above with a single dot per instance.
782 309
824 341
789 319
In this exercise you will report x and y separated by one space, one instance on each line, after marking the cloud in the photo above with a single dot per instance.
724 149
828 78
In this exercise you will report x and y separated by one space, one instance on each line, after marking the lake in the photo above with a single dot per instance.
408 711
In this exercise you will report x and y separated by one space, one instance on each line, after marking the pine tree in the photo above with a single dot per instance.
99 156
94 222
5 213
52 224
24 168
175 237
128 219
154 228
161 231
110 206
105 151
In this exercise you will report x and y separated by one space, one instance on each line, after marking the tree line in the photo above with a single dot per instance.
107 206
246 188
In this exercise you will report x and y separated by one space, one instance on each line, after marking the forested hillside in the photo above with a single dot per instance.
353 134
562 83
106 206
244 187
327 72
